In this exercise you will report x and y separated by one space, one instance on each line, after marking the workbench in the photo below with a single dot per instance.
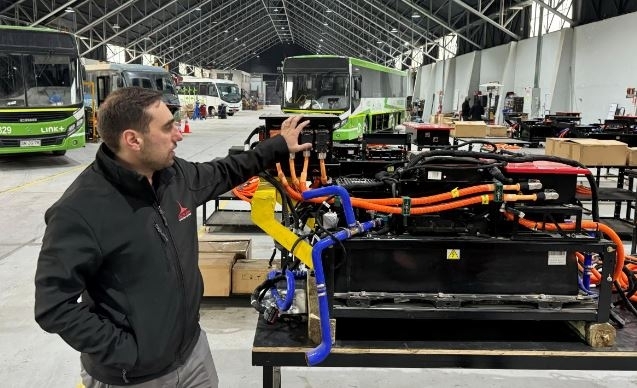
443 344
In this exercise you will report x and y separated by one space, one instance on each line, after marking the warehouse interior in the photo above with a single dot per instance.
421 287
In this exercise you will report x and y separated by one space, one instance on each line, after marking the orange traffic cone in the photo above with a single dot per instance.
187 126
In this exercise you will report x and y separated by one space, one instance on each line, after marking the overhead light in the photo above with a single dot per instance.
415 15
320 40
225 32
83 37
258 56
187 52
69 10
147 38
517 7
325 23
171 48
276 10
283 28
328 10
197 8
236 39
379 42
368 50
394 29
116 26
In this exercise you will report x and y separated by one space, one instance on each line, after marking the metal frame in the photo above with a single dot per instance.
353 28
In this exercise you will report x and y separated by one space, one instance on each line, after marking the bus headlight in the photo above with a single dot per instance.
79 117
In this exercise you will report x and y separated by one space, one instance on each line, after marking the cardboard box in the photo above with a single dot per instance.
469 129
216 269
631 159
497 131
209 243
248 274
592 152
551 144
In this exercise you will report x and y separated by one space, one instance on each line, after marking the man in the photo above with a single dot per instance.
123 236
466 109
477 110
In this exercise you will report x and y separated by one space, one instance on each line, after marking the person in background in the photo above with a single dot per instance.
117 276
477 110
466 109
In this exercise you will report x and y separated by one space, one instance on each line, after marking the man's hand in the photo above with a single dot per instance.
290 130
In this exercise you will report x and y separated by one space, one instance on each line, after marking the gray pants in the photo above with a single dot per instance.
198 371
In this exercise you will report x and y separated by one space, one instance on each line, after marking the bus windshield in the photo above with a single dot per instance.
148 80
39 80
325 91
229 92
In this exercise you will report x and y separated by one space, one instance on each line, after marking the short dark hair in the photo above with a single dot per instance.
125 108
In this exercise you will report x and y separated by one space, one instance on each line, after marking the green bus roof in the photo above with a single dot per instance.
358 62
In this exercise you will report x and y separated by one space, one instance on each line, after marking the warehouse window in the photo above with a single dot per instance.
450 44
550 21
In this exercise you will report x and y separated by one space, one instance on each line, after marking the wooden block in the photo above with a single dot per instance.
597 335
313 322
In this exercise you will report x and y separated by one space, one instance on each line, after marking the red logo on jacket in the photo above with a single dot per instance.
184 212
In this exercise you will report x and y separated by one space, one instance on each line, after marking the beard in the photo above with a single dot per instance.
155 161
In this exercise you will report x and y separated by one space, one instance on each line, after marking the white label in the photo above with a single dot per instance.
557 257
30 143
434 175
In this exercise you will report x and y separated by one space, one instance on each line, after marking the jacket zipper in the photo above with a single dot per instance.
124 371
165 240
181 278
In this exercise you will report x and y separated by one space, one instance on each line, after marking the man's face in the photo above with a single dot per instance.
158 147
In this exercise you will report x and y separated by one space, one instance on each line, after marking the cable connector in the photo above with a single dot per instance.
549 195
271 314
532 185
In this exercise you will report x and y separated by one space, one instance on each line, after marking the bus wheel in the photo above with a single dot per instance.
231 114
59 153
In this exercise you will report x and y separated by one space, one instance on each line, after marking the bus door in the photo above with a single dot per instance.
103 88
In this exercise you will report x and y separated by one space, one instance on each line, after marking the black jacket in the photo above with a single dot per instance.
130 250
477 111
466 110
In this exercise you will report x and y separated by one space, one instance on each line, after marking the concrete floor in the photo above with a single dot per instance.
30 357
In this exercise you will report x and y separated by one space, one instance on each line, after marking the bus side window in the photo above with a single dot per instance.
213 91
356 93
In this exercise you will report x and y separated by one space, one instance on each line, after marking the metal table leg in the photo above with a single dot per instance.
271 377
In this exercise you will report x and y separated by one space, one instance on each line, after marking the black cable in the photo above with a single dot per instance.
627 302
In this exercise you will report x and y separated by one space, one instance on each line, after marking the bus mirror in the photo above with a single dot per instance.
120 83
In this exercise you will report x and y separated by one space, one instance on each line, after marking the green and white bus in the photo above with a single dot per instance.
210 91
41 103
366 96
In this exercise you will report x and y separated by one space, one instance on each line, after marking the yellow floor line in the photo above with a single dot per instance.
45 179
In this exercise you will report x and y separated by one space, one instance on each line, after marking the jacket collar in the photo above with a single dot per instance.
132 182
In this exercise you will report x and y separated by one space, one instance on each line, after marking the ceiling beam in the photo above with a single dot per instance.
121 31
555 11
487 19
440 22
